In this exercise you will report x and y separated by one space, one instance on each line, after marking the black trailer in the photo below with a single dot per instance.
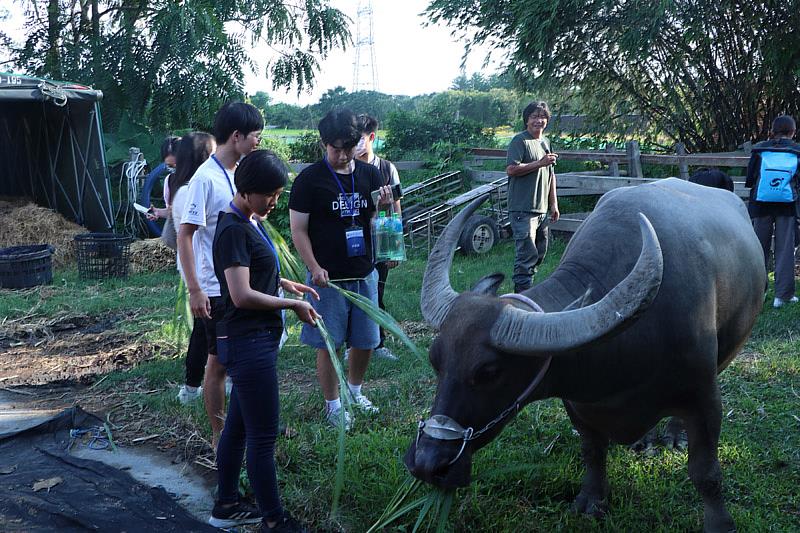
51 148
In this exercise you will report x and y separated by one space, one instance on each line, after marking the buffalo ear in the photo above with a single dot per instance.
489 284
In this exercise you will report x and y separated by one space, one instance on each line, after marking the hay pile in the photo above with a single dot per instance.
23 222
151 255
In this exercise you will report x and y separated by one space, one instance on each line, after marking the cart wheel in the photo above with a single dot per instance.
479 235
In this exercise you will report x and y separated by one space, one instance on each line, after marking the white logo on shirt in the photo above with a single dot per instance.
349 205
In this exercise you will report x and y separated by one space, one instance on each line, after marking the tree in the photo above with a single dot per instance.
709 73
171 64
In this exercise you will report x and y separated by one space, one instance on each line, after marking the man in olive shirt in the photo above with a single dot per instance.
531 193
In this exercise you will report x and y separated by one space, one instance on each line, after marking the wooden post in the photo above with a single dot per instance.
683 166
613 166
634 159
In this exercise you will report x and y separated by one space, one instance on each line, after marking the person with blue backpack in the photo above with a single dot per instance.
772 175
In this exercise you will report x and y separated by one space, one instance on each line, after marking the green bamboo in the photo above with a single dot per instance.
182 321
344 395
380 316
291 267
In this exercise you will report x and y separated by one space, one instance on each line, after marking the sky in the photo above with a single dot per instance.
411 59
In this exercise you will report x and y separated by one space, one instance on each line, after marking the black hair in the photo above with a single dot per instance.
535 107
367 124
169 146
236 116
783 125
339 124
261 172
192 152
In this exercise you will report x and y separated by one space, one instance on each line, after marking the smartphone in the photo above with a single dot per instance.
397 193
142 209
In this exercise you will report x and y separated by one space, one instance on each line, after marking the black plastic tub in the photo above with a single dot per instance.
26 266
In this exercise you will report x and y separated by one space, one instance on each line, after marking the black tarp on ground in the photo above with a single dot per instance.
92 496
51 148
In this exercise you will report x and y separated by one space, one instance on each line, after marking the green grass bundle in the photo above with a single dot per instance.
434 507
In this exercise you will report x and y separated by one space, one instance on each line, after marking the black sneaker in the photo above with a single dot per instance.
225 516
287 524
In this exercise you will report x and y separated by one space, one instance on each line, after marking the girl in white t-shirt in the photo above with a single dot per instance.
193 150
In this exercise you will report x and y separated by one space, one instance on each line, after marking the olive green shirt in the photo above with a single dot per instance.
529 192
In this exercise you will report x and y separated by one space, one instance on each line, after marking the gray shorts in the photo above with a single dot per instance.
344 320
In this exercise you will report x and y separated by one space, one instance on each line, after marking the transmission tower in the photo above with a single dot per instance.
365 68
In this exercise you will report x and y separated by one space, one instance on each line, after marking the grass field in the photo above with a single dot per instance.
526 479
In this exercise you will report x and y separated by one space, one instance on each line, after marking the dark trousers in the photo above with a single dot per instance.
783 229
383 273
196 354
531 239
252 420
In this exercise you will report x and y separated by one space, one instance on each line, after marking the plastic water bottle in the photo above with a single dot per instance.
382 240
398 245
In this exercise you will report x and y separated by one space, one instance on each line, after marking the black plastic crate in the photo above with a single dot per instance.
102 255
26 266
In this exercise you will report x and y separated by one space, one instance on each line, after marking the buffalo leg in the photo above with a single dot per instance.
593 497
703 429
674 436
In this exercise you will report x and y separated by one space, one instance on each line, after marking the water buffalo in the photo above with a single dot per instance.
655 294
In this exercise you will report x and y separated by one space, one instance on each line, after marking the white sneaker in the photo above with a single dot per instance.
778 302
186 396
334 418
228 385
385 353
363 403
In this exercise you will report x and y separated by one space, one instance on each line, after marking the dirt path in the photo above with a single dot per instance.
66 348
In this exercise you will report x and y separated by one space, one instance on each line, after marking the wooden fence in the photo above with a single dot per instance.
598 182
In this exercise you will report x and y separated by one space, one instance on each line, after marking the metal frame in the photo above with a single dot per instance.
62 147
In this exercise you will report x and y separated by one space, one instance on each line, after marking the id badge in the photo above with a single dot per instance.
355 242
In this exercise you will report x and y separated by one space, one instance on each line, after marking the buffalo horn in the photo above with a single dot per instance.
526 333
437 294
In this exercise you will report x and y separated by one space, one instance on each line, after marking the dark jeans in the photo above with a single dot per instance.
383 273
196 354
252 420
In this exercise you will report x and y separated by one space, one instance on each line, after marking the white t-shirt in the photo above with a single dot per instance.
177 214
209 191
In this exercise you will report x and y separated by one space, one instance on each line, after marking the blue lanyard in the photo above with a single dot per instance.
351 206
262 232
227 178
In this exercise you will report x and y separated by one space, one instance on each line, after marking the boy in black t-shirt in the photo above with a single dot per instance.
330 209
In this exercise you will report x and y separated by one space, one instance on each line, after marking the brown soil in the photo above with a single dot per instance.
71 348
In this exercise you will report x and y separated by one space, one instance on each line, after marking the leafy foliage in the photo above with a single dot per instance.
306 148
701 72
172 64
416 131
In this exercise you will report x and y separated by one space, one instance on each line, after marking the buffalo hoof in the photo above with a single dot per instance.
590 504
677 440
647 444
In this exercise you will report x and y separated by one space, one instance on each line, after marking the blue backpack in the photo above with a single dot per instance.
776 181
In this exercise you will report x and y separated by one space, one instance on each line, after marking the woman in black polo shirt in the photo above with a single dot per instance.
248 336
